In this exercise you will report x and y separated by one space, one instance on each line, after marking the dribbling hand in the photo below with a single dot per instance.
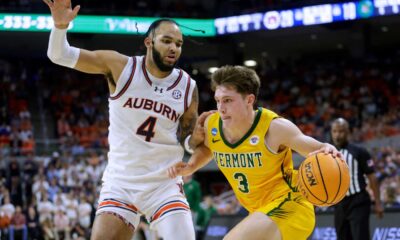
328 149
62 12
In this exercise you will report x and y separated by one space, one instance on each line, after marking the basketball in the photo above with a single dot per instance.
323 179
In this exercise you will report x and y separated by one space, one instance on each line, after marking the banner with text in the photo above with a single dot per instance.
305 16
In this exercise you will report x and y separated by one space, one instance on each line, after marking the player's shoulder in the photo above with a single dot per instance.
211 119
354 146
214 115
357 149
112 56
185 75
211 124
280 123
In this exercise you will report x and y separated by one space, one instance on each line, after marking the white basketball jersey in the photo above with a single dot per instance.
144 119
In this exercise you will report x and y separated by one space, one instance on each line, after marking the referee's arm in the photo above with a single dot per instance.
373 183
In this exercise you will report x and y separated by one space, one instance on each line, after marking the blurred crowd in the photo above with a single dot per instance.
53 195
49 197
312 92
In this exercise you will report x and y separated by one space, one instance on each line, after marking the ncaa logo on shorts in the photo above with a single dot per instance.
176 94
254 140
214 131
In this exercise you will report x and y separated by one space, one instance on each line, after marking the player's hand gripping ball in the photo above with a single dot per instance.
323 179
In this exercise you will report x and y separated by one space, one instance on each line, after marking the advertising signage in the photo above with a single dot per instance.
305 16
100 24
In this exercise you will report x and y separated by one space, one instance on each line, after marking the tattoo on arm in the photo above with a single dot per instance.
189 118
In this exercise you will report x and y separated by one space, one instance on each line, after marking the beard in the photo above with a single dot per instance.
159 63
339 143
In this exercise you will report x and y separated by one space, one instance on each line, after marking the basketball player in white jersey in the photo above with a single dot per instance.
152 104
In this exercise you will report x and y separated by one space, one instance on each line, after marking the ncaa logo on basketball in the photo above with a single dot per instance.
254 140
176 94
214 131
312 181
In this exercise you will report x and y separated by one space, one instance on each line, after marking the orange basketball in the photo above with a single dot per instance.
323 179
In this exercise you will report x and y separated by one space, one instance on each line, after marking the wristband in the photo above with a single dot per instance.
187 146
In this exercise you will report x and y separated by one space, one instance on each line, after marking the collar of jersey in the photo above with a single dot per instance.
160 81
234 145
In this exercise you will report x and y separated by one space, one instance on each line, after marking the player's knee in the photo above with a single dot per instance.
232 236
176 227
111 234
179 232
100 233
185 234
108 226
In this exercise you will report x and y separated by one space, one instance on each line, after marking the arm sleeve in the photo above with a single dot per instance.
59 51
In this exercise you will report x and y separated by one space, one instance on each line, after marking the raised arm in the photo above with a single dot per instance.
105 62
283 133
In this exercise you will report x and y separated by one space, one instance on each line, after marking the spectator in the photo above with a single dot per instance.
193 194
71 206
206 211
34 231
61 224
84 212
47 228
18 228
391 200
7 208
30 171
40 185
45 209
53 189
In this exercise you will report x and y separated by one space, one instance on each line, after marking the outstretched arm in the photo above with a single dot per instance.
283 132
200 157
60 52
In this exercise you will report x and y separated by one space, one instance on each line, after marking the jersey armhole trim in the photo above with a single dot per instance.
176 81
146 76
187 93
269 149
123 90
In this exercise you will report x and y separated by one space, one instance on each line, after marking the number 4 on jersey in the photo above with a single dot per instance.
147 128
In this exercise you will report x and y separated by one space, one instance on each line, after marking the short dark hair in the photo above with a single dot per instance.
154 25
243 79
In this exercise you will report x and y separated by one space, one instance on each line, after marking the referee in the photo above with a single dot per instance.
352 213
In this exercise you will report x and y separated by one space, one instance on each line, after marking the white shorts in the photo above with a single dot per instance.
130 205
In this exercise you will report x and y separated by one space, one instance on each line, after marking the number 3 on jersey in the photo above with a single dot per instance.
243 183
147 128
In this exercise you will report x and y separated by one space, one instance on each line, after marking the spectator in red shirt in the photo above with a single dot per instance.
18 229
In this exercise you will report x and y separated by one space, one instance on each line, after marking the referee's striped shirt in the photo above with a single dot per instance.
360 164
